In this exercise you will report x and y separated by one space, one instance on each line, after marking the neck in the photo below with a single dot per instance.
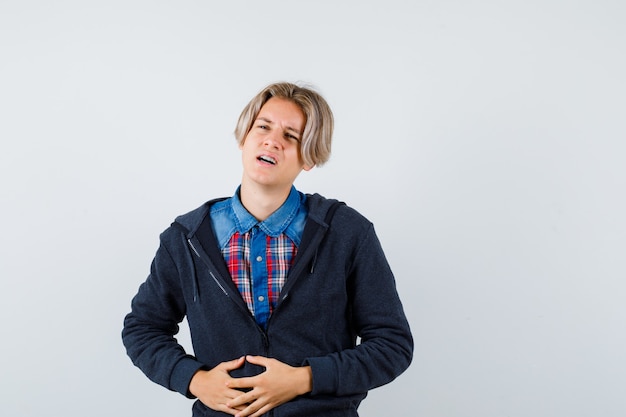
260 201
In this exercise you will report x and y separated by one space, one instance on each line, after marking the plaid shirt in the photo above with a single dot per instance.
259 254
259 284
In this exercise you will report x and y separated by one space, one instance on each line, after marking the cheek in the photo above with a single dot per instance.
297 157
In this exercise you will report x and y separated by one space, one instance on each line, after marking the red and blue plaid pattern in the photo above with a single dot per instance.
279 251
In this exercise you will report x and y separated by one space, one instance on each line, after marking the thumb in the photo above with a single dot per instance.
258 360
234 364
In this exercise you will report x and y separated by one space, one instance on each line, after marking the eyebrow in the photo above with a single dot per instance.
266 120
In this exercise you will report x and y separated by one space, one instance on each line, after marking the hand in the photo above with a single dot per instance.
211 387
277 385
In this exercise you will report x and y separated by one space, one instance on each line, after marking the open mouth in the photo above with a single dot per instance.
267 159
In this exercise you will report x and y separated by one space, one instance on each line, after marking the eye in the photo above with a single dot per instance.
292 137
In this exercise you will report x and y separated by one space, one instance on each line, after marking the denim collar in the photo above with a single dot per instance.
275 224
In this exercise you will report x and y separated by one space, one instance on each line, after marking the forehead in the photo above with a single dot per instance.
282 111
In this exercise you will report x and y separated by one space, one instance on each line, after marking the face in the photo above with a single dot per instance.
271 150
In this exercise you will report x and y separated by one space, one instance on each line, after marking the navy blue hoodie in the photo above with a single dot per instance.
338 312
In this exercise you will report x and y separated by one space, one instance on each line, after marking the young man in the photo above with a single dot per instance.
277 286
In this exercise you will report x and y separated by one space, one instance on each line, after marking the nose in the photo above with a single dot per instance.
272 140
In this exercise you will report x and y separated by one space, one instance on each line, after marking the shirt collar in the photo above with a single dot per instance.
275 224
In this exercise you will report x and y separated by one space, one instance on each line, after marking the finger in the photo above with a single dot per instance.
231 394
242 400
241 383
258 360
229 406
234 364
236 408
253 408
265 409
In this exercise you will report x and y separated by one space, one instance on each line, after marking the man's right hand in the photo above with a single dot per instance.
210 387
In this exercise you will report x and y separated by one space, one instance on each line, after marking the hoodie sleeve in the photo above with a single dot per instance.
149 328
386 347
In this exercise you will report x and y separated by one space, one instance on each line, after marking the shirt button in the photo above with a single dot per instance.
261 298
259 258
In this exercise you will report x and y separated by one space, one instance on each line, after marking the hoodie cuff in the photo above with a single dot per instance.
181 376
324 375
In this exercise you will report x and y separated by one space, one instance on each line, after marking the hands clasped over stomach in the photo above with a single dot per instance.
278 384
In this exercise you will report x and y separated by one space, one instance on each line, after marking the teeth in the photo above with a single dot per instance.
267 159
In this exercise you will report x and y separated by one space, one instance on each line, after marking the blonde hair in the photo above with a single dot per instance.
318 130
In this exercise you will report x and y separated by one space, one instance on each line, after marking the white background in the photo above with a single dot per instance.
485 140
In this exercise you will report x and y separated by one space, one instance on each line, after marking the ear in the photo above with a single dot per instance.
308 167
